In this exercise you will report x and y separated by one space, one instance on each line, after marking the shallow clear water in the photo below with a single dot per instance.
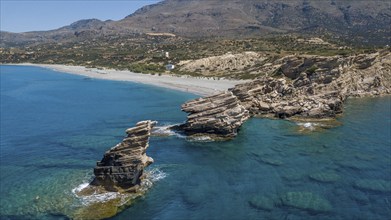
55 126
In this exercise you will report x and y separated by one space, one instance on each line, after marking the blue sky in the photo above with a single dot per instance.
37 15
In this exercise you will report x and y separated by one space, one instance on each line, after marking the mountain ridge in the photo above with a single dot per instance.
365 22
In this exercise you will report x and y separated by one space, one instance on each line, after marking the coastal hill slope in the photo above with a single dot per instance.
235 18
82 29
366 22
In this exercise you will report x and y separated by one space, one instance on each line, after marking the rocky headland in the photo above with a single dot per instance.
303 87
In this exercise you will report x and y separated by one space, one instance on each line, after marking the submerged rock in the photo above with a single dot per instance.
355 165
197 195
373 185
271 161
325 177
262 202
309 125
121 168
360 198
306 201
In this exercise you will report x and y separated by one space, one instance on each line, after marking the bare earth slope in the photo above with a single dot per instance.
253 17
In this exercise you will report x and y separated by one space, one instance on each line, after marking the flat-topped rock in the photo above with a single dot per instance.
220 114
121 167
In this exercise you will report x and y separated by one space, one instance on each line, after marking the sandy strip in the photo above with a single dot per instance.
199 86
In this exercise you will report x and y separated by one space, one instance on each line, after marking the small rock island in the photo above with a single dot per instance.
120 172
121 168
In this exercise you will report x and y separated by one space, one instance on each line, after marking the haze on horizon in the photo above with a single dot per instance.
23 16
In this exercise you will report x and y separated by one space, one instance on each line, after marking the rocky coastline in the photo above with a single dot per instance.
300 87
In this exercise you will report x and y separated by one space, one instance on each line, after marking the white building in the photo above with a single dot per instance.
170 66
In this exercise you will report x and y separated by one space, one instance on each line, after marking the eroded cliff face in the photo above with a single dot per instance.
304 87
121 168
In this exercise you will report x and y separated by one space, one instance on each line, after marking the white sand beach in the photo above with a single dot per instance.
199 86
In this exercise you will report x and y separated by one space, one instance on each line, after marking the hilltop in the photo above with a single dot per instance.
366 21
358 22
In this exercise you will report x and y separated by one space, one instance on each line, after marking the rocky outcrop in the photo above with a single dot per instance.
221 115
284 99
121 168
307 87
316 87
119 177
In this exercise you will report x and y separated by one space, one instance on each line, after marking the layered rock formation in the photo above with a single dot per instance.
119 176
306 86
221 114
121 168
285 99
316 87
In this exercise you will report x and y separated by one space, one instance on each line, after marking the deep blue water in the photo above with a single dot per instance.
54 127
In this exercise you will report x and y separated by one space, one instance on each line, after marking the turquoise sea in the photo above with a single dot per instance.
54 127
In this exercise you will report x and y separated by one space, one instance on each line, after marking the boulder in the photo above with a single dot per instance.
263 106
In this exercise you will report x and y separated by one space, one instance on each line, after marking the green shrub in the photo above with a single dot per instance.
146 68
312 69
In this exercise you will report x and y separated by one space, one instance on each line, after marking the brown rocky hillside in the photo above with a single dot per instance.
361 22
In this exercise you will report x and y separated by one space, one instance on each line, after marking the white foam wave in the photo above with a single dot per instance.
80 188
201 139
309 125
95 197
102 197
152 176
155 175
166 131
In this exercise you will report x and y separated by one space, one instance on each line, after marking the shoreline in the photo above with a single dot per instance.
198 86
